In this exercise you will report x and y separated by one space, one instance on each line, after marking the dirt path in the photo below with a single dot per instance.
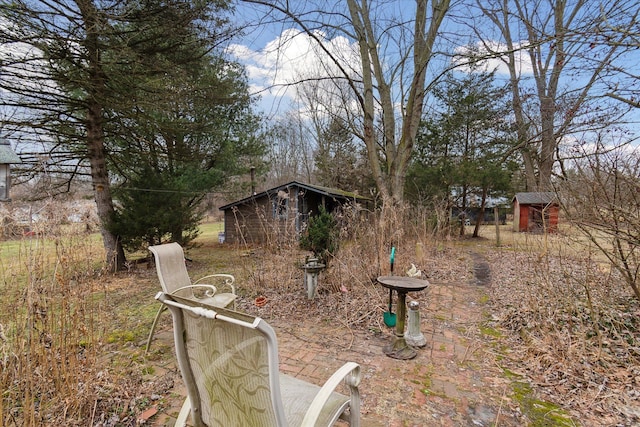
455 379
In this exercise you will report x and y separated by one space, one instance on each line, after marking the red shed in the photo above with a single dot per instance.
535 212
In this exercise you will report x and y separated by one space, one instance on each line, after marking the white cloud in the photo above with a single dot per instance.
23 66
496 53
292 57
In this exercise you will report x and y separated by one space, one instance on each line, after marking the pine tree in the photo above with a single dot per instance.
464 150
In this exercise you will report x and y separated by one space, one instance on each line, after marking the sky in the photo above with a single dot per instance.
272 66
275 55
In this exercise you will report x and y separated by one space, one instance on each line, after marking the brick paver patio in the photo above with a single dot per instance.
453 381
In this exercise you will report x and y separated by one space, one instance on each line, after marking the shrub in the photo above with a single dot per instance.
321 236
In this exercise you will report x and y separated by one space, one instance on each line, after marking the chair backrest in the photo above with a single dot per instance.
229 362
171 268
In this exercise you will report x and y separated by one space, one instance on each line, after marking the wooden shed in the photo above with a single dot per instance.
535 212
281 212
7 157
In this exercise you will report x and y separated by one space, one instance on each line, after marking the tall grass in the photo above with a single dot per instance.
63 324
71 336
48 320
348 285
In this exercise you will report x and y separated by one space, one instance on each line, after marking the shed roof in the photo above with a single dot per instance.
7 155
536 198
326 191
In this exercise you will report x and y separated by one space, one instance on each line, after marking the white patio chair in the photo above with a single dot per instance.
174 279
229 363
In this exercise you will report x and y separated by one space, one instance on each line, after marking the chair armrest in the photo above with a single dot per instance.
228 280
211 290
350 373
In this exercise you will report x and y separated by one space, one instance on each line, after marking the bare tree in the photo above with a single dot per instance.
602 199
566 68
394 48
624 87
340 162
290 154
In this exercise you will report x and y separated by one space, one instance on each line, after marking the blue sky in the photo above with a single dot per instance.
276 54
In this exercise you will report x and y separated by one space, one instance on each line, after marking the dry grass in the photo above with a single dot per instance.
572 329
67 333
569 324
71 348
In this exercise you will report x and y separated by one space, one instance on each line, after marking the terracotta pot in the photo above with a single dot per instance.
260 301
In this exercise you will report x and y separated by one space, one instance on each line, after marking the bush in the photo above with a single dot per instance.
321 236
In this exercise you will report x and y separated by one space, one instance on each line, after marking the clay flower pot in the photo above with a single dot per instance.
260 301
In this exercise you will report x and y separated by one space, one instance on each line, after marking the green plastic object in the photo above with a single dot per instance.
389 319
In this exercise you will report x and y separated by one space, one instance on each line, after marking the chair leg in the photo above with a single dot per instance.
153 327
181 421
354 414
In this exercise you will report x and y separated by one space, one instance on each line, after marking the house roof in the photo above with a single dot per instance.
325 191
536 198
7 155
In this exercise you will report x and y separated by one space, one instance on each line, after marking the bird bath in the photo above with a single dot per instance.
311 270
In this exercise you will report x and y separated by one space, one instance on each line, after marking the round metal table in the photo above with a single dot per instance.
399 349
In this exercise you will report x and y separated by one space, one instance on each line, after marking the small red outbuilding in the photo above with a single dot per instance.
535 212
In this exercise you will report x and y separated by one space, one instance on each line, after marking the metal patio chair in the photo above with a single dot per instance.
229 364
174 279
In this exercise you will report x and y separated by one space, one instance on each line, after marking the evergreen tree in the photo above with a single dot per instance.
191 135
146 216
321 236
464 149
90 83
339 163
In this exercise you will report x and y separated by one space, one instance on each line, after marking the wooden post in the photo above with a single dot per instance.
496 219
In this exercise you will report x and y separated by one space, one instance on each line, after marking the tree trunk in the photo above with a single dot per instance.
480 218
551 44
389 144
389 170
115 257
548 142
496 220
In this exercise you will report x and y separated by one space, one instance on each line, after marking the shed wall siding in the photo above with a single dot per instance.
554 212
258 219
524 217
246 223
253 223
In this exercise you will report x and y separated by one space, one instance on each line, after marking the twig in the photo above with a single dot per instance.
351 332
93 411
464 356
502 399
